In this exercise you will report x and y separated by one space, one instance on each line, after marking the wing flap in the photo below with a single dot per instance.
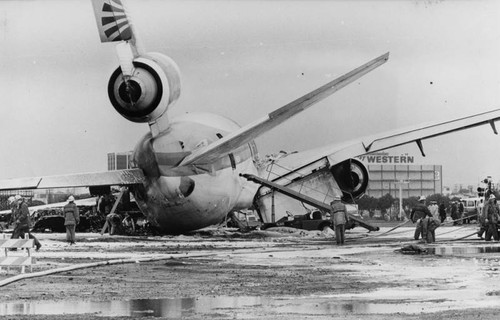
118 177
249 132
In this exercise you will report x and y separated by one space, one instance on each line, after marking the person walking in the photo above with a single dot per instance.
22 222
419 212
461 210
442 212
491 215
339 216
71 219
454 213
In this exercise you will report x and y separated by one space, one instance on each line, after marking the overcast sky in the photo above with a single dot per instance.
243 59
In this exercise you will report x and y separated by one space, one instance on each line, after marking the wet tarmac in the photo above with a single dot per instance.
461 251
186 307
367 278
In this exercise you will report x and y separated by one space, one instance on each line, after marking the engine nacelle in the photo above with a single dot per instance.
154 85
352 178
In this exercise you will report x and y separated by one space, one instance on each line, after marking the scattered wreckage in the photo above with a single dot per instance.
314 220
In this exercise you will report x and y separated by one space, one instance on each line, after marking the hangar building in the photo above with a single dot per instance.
388 171
119 160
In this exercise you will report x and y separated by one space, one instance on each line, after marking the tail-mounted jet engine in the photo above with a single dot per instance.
146 94
352 177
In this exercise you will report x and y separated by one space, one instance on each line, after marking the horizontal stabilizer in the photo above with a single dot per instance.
107 178
249 132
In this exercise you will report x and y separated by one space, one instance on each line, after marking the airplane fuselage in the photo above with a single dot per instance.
178 199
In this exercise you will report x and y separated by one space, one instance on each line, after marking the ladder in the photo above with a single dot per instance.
303 198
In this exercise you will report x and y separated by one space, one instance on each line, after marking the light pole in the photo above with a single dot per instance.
400 186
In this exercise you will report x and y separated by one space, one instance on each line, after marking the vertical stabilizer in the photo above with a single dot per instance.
112 21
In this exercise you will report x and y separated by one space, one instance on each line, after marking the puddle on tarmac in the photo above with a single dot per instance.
214 306
457 251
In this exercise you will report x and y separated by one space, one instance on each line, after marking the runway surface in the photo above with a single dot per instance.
278 274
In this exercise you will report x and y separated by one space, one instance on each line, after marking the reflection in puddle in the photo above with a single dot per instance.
213 306
450 251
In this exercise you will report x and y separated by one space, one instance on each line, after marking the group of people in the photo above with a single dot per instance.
456 211
488 218
20 219
426 223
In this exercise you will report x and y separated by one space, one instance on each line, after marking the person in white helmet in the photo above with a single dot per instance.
71 219
22 221
339 217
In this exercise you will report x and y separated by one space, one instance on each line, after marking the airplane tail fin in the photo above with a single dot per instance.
146 84
112 20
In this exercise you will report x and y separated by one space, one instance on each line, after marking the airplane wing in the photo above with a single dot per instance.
337 153
249 132
107 178
88 202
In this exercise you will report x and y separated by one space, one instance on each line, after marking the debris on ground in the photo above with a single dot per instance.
412 249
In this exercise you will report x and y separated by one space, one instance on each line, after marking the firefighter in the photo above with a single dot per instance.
419 212
71 219
22 221
339 217
491 215
429 226
481 218
442 212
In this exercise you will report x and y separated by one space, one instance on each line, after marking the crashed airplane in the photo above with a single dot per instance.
188 170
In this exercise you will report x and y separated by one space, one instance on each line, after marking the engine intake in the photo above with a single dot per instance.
149 91
352 177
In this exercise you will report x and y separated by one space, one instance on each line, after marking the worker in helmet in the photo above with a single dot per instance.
418 213
481 216
339 218
22 222
491 217
71 219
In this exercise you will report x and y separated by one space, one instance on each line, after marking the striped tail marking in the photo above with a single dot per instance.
112 20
